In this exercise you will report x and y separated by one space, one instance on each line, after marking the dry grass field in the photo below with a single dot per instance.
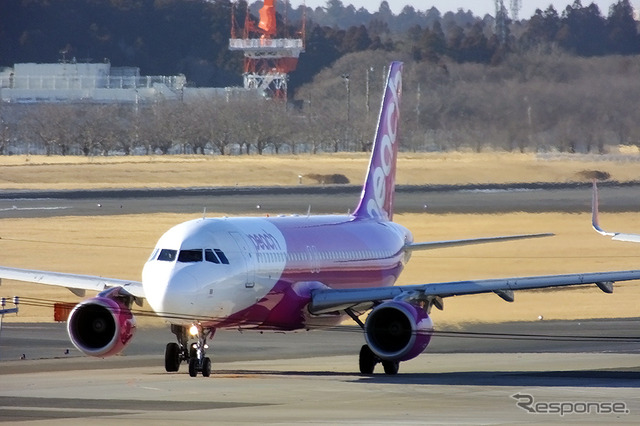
41 172
118 246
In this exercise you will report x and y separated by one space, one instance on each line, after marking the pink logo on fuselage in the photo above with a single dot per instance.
264 241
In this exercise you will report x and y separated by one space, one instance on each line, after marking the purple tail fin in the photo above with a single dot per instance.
378 191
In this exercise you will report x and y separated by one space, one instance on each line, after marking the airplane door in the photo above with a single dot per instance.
314 261
247 255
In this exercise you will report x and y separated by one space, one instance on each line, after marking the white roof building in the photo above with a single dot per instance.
73 81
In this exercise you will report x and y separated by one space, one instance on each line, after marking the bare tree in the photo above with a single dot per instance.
262 123
124 128
50 124
8 129
156 131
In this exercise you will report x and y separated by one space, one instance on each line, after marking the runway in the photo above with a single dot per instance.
569 198
311 378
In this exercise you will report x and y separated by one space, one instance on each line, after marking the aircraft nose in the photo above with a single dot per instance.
170 293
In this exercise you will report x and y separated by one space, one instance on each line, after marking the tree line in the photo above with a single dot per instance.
190 37
547 102
202 126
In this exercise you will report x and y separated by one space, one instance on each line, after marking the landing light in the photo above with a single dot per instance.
193 330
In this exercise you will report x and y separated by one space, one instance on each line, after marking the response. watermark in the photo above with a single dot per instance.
528 403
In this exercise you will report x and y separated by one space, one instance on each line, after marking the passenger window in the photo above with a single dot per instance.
210 256
190 256
167 255
221 256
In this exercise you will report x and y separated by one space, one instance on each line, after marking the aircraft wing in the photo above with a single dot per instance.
429 245
328 300
595 221
74 282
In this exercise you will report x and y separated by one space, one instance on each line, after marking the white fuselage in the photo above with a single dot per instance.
211 270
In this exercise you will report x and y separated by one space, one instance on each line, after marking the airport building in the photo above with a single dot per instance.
30 83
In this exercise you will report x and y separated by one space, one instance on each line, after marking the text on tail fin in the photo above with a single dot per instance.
379 186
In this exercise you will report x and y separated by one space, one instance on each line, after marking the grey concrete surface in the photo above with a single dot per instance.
311 378
460 389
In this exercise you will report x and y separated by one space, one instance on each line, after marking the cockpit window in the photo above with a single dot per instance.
210 256
167 255
190 256
222 256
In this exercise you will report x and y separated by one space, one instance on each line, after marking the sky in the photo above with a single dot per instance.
478 7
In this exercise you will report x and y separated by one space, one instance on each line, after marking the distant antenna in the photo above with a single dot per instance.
501 21
64 52
515 6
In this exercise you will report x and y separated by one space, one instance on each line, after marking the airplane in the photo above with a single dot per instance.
289 273
595 221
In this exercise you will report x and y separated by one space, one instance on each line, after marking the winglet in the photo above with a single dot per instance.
376 200
595 221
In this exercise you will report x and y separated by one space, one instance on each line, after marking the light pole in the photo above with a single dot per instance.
369 72
345 77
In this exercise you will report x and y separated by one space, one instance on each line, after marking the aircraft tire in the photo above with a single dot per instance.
193 367
367 360
391 367
172 357
206 367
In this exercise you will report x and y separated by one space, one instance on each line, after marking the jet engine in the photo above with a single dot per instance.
101 326
398 331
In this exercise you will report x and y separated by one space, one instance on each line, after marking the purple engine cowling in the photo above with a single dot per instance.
398 331
101 326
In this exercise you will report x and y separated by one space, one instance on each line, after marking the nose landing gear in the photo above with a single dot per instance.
198 363
175 353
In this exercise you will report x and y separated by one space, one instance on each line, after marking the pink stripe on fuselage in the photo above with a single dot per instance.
346 253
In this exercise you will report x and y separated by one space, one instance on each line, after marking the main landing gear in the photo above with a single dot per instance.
175 353
368 361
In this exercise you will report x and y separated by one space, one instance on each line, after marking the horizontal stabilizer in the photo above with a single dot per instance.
454 243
